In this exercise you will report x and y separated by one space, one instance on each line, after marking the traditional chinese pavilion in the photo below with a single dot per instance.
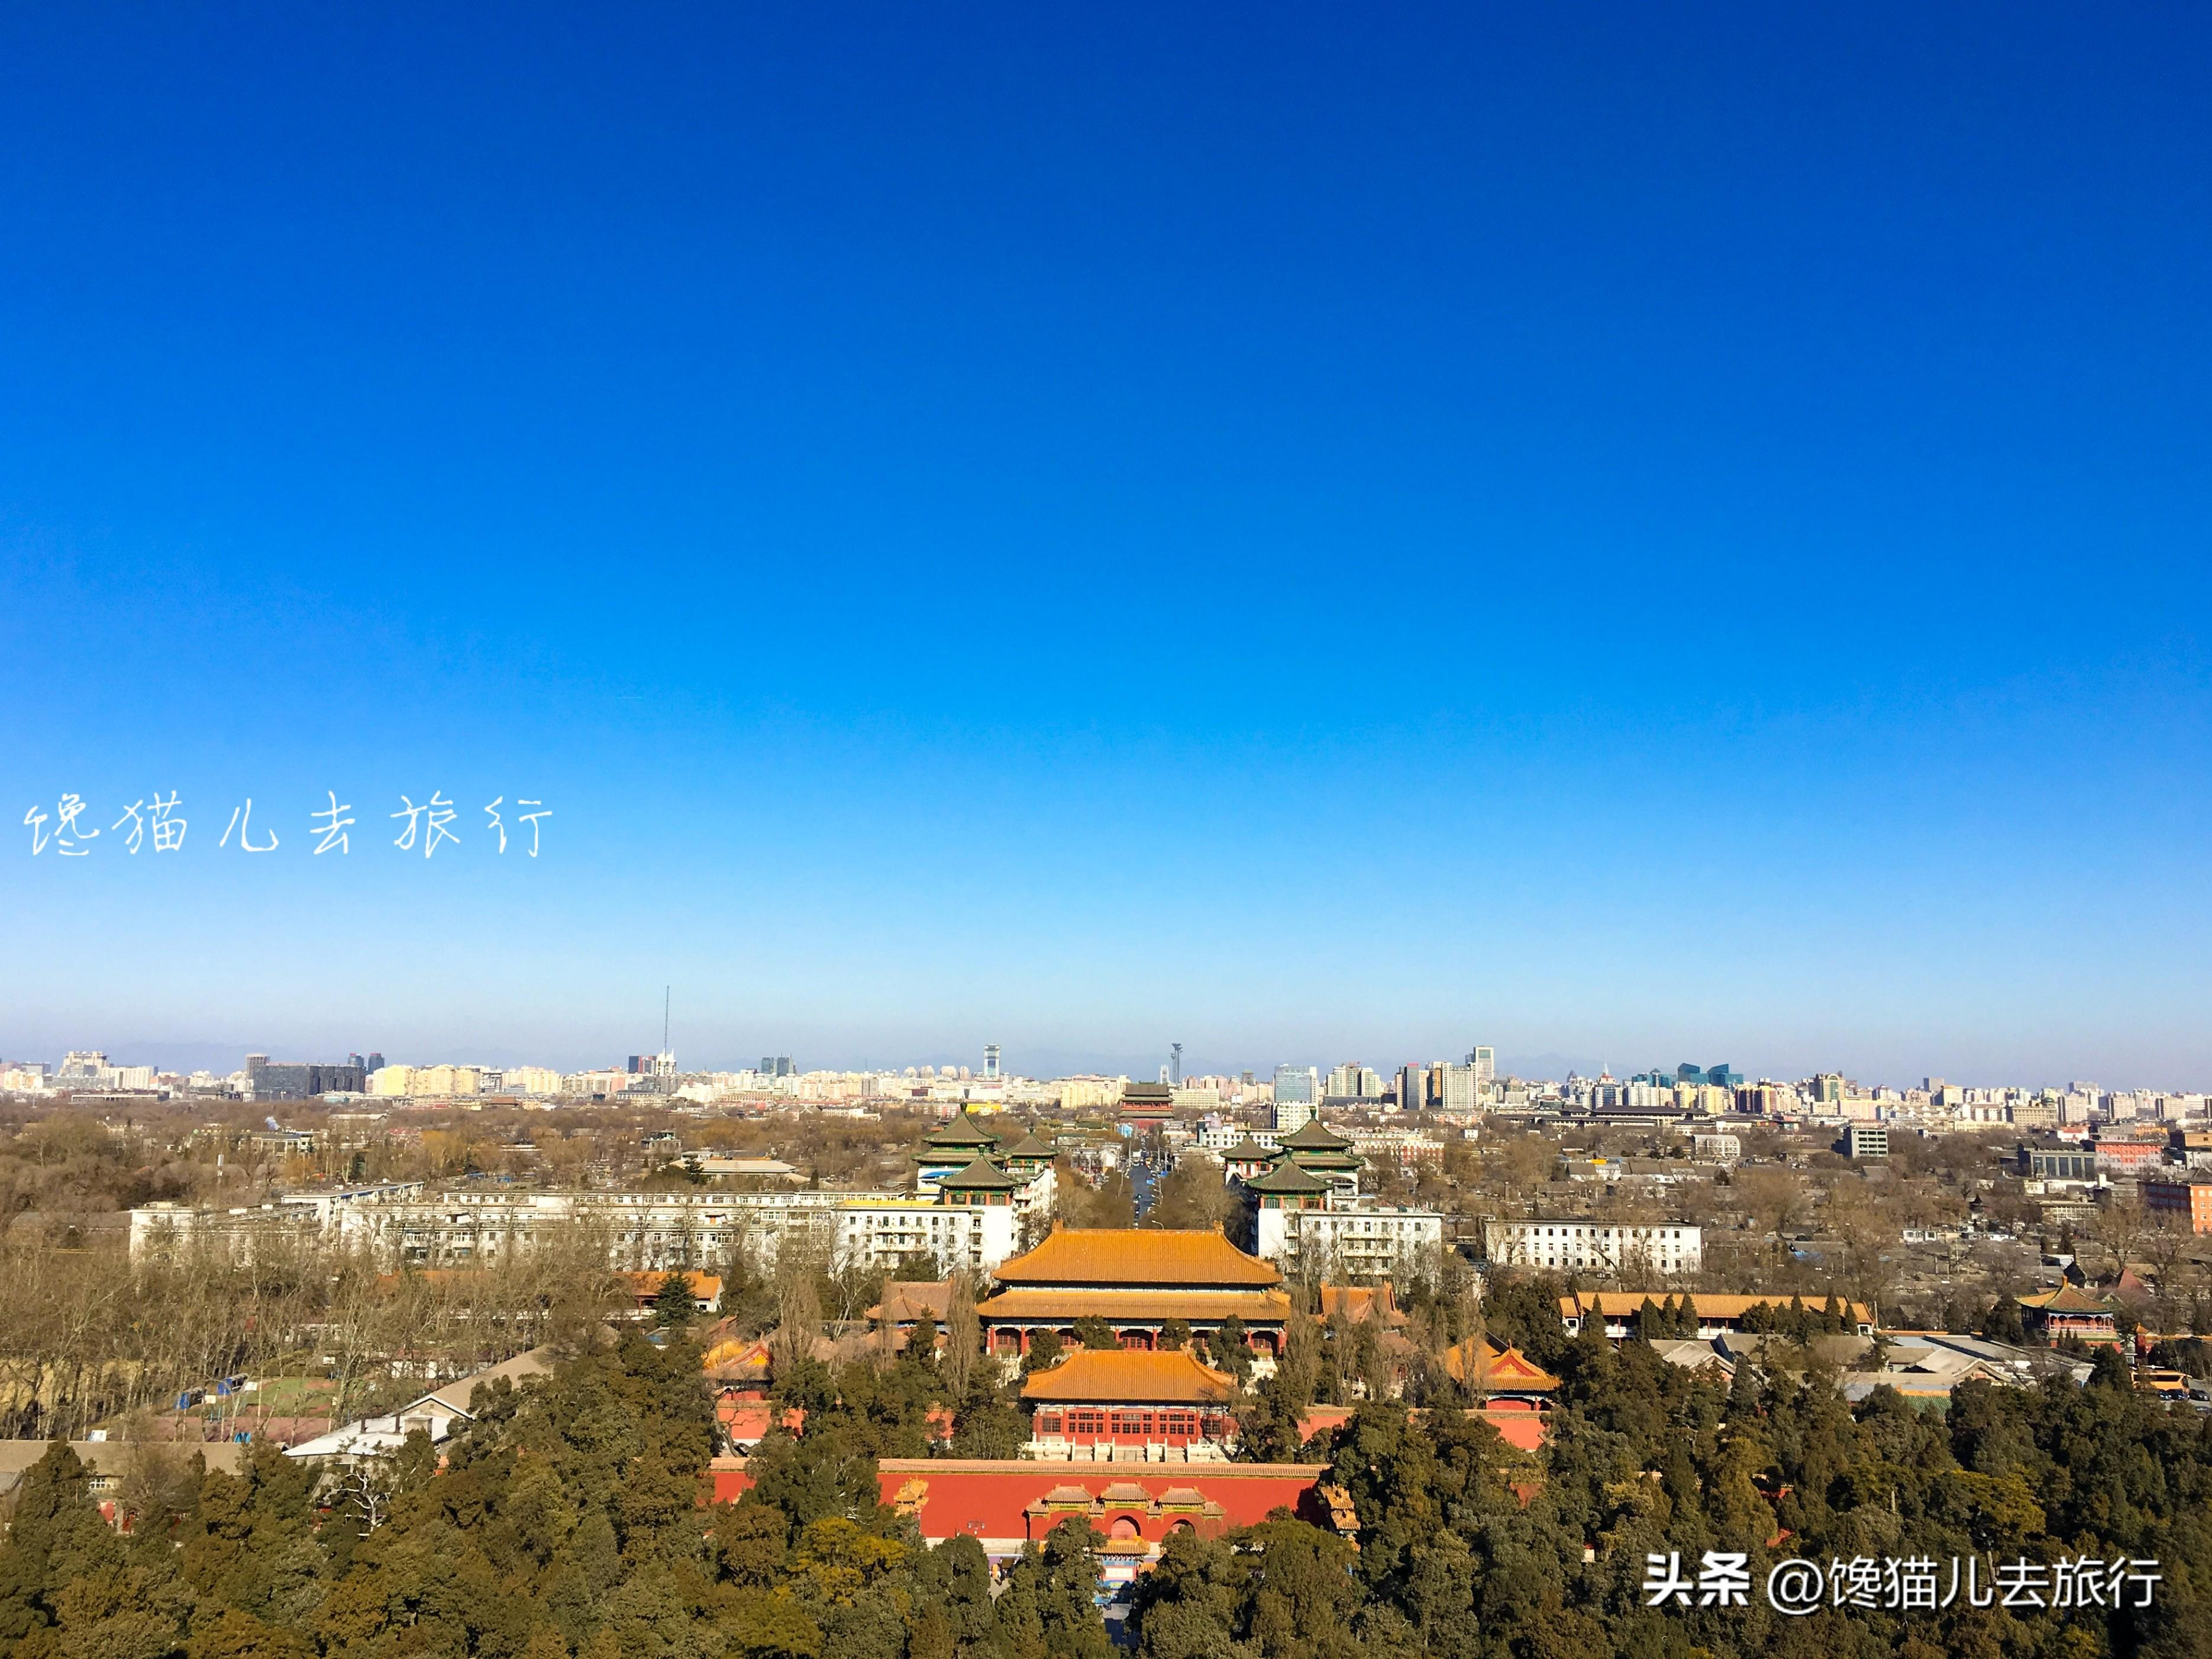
907 1302
965 1161
1246 1159
1377 1302
2069 1311
981 1182
1319 1151
1136 1279
1109 1404
1288 1186
1146 1103
1027 1158
954 1146
1505 1377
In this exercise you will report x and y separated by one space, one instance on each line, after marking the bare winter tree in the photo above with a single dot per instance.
157 1485
797 1304
357 1328
2163 1245
366 1490
2119 1227
964 1340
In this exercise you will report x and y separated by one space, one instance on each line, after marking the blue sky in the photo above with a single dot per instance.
1648 534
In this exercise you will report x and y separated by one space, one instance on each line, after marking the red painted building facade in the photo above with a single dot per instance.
1150 1405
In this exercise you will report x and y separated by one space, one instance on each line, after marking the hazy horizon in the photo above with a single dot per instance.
188 1055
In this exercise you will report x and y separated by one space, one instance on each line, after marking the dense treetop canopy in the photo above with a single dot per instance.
569 1518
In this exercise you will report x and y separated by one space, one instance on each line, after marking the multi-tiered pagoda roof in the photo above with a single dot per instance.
966 1132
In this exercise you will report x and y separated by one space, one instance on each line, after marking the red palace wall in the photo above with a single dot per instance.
992 1500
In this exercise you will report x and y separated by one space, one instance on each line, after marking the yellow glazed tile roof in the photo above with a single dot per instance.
1501 1370
1136 1255
1113 1376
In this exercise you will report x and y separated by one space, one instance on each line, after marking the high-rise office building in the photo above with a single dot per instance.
1484 1058
1353 1081
1461 1088
1412 1088
266 1081
375 1062
990 1062
1298 1086
1175 1065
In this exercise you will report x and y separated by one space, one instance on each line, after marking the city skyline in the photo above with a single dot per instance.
222 1060
1674 533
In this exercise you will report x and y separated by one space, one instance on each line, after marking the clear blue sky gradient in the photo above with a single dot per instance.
1629 535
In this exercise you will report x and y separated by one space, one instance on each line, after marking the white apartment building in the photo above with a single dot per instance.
644 1231
1220 1137
882 1232
1465 1089
1087 1093
1602 1247
1400 1145
582 1084
401 1081
1357 1242
1866 1140
1353 1080
163 1225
